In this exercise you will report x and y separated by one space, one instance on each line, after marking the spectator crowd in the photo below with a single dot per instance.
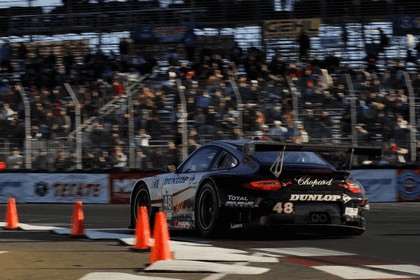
212 82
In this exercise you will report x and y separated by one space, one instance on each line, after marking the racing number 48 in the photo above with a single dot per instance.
167 202
284 208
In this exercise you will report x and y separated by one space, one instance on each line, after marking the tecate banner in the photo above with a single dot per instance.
54 187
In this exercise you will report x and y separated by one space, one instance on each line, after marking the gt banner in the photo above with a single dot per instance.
122 184
54 187
408 185
378 183
291 27
161 34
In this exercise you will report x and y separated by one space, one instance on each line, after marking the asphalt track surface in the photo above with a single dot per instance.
43 249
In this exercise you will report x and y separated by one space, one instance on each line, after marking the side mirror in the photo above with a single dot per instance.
171 167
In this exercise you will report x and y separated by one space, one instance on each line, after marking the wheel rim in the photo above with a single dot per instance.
206 209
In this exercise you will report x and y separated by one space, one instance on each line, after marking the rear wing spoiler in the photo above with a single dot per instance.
260 146
257 146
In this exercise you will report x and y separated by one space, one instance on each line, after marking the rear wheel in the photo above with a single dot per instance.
207 212
141 197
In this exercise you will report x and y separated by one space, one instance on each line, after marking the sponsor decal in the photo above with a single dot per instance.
234 226
176 180
315 197
76 189
179 207
239 201
346 198
41 188
155 184
182 224
191 179
311 182
285 184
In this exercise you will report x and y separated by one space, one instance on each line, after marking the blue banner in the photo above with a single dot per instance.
406 24
161 34
379 184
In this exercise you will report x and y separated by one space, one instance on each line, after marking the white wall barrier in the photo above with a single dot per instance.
381 185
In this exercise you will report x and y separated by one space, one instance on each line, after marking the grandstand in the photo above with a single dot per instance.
90 78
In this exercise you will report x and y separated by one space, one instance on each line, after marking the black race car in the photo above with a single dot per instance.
231 184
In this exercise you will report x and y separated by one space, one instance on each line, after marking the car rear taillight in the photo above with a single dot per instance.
266 185
352 187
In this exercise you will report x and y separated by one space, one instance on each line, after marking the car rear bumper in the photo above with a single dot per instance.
310 215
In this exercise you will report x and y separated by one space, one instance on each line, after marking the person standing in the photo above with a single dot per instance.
190 41
41 161
6 56
15 160
304 45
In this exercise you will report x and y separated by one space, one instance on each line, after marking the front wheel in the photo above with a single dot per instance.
208 220
141 197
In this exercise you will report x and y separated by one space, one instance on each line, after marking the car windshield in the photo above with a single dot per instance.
294 159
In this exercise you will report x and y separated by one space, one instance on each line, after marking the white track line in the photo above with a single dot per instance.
196 266
120 276
301 252
349 272
406 268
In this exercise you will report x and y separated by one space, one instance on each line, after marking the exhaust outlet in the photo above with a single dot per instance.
314 218
323 218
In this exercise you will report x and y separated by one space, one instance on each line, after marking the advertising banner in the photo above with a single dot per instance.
161 34
54 187
408 185
121 185
291 27
379 184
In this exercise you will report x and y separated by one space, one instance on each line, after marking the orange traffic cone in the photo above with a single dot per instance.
142 229
161 249
77 225
12 220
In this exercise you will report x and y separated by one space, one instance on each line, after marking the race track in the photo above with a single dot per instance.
42 248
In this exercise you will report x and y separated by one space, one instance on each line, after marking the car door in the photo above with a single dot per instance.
180 187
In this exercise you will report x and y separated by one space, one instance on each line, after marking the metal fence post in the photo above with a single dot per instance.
77 128
240 106
412 115
28 136
352 110
183 119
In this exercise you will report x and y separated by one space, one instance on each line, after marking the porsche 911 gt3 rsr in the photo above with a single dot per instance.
232 184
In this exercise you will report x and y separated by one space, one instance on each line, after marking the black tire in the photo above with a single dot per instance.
141 197
207 211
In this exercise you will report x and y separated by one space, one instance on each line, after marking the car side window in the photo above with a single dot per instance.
226 161
200 161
